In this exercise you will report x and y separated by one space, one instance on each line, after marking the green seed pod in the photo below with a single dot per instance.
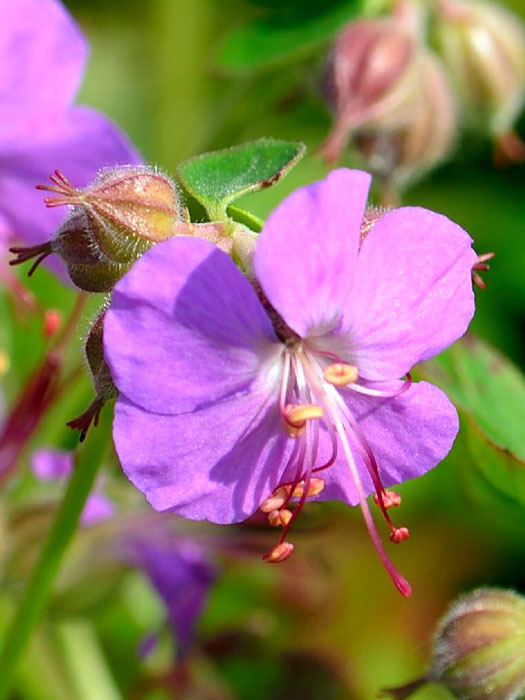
112 223
483 45
479 648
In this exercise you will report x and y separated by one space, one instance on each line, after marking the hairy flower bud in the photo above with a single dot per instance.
102 381
391 95
112 223
483 45
478 648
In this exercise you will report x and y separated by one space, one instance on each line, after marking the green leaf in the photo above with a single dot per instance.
489 392
275 36
215 179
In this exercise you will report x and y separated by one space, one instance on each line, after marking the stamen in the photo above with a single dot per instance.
399 581
278 498
315 488
399 535
279 553
279 517
295 417
340 374
389 499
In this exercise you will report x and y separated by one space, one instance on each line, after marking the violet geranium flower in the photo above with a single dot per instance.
235 397
42 57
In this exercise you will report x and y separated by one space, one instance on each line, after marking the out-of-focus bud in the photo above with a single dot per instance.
391 95
478 648
103 384
112 223
483 45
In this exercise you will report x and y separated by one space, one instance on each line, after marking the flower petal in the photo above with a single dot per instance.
186 329
78 143
306 253
97 509
180 572
408 435
49 464
412 294
42 56
217 464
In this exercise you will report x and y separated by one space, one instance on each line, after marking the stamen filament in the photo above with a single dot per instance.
383 393
399 581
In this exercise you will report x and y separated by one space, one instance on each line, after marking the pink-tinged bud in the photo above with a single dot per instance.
478 648
52 322
112 223
391 96
483 45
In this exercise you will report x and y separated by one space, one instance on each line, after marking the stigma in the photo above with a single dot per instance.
310 400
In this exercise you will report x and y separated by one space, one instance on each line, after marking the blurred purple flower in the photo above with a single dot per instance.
42 58
228 404
180 572
56 465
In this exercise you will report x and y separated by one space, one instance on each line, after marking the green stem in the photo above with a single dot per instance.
245 217
38 588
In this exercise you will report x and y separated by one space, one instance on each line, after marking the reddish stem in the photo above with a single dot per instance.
41 390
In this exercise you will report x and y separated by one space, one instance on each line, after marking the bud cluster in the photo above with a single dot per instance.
392 95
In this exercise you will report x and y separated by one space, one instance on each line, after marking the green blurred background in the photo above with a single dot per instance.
328 624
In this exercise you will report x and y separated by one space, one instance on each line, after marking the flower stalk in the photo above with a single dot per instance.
39 586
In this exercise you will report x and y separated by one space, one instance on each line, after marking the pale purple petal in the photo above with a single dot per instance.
218 463
50 464
306 254
412 295
97 509
408 435
182 576
78 143
42 56
186 329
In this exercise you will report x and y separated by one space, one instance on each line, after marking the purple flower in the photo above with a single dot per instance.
42 57
56 465
181 574
237 397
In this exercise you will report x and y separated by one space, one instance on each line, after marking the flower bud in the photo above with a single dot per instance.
103 384
391 95
406 149
483 45
478 648
112 223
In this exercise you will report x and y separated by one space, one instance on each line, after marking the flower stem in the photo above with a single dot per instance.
38 588
37 396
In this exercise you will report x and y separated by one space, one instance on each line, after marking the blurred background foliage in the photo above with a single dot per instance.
182 78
